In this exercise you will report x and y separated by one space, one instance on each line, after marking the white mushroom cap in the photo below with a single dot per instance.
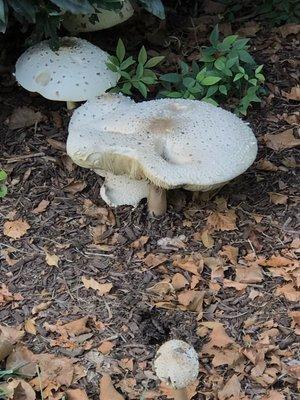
171 142
177 364
75 72
120 190
106 19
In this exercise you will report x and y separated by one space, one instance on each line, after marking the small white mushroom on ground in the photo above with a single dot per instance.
77 71
177 364
118 190
171 143
102 19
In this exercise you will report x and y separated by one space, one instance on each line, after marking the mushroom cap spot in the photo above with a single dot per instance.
106 19
77 71
120 190
199 147
177 364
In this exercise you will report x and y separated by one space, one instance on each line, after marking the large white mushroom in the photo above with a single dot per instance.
177 364
77 71
170 143
101 19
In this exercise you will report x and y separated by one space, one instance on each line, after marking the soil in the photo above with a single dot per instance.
39 169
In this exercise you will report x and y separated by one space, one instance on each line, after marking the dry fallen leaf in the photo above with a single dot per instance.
231 253
15 229
75 187
205 237
30 326
24 117
249 29
154 260
219 337
9 336
294 94
106 347
231 390
51 259
40 307
249 274
278 198
289 29
222 221
77 327
91 283
76 394
6 296
193 263
167 390
281 141
107 390
179 281
105 215
140 242
289 292
18 389
266 165
274 395
41 207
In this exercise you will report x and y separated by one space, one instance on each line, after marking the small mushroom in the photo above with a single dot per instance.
171 143
77 71
177 364
102 19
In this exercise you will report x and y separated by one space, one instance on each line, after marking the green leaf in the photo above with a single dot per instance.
214 36
139 71
141 87
210 80
148 80
238 76
184 68
3 175
246 57
142 57
120 52
155 7
188 82
152 62
258 69
229 40
260 77
172 77
231 61
173 95
74 6
253 81
25 8
112 67
126 88
3 191
223 89
210 101
240 43
2 12
211 91
125 75
127 63
220 64
148 72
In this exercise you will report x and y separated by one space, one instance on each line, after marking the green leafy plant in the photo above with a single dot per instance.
3 191
226 69
134 74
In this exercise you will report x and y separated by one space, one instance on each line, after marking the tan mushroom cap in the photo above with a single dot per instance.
177 364
171 142
77 71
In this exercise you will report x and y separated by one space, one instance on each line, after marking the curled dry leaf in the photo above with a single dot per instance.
289 292
205 237
278 198
9 336
15 229
75 187
281 141
289 29
231 253
30 326
24 117
193 263
51 259
40 307
101 288
294 94
105 216
18 389
231 390
41 207
107 390
140 242
220 221
266 165
6 296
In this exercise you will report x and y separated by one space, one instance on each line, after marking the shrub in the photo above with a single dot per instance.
225 69
134 74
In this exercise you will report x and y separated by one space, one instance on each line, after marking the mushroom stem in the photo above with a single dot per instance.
180 394
71 105
157 201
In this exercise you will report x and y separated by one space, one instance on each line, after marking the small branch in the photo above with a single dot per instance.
157 201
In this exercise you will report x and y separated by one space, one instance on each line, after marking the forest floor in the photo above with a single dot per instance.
97 290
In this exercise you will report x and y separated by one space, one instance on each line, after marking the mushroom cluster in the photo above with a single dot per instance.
177 364
77 71
101 19
159 145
